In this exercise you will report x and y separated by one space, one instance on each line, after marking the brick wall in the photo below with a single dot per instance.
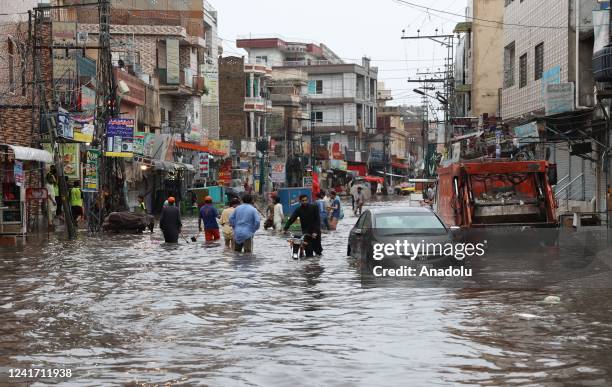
232 89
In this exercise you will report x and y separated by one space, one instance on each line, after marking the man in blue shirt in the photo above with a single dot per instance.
335 210
245 221
322 210
209 215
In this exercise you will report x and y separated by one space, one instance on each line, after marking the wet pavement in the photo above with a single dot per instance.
124 309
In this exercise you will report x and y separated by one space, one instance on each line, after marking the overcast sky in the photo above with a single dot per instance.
351 28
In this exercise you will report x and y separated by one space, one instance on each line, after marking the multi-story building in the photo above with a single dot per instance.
342 95
162 45
478 63
541 49
210 72
244 100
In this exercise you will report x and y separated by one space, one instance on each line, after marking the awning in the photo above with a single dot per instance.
469 135
199 148
172 166
390 174
372 179
25 153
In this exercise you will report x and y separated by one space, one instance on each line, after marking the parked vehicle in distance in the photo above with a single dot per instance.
388 225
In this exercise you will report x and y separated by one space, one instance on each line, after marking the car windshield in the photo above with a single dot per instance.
399 224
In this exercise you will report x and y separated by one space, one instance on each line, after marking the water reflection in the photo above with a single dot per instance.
130 309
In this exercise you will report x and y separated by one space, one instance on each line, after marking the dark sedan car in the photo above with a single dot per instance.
416 233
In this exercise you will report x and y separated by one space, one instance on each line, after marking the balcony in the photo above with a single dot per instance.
300 63
188 84
257 104
258 67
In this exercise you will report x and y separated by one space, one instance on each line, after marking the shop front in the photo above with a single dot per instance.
23 196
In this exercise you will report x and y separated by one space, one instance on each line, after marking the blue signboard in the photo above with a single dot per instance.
550 76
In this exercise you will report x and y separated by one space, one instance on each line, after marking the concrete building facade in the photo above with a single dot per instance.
342 95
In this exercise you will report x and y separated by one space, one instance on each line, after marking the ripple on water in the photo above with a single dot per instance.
132 309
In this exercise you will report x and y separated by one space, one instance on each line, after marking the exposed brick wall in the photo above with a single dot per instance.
232 89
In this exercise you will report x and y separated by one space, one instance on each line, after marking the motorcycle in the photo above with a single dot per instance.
298 246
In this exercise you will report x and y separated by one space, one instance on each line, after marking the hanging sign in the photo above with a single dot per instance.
277 172
19 174
203 164
90 176
120 137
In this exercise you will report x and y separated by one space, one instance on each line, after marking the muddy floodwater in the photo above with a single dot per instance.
119 309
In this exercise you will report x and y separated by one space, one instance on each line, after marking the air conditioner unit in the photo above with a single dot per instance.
82 37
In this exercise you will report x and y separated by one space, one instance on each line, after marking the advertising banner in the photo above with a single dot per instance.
203 165
225 173
83 128
18 172
139 140
90 174
69 152
120 137
64 124
277 172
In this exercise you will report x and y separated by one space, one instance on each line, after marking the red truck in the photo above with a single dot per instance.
497 192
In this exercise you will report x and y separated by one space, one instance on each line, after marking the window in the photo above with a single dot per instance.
523 70
509 58
539 61
319 87
261 59
412 223
316 117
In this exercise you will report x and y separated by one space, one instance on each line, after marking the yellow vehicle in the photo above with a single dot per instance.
405 189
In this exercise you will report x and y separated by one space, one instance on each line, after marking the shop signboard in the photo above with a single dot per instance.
277 172
120 137
149 141
69 152
225 173
307 181
559 98
83 128
203 165
90 174
139 140
18 172
550 76
527 133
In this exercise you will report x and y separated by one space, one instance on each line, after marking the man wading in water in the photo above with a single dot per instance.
310 220
170 222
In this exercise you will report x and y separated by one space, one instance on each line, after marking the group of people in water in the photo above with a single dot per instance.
239 221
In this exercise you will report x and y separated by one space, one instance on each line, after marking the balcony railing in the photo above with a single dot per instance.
255 100
290 63
194 82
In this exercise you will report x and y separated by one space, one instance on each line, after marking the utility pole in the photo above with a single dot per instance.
40 84
448 80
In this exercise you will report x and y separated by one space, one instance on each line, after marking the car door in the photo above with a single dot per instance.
355 236
365 237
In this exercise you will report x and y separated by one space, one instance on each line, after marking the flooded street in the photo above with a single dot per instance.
127 308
